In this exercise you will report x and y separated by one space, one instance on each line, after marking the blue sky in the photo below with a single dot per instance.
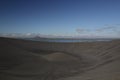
61 17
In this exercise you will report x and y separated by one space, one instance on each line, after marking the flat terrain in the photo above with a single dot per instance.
33 60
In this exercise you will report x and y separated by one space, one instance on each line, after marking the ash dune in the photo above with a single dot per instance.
32 60
60 56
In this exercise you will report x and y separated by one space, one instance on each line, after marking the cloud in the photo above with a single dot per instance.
17 35
104 31
78 30
108 28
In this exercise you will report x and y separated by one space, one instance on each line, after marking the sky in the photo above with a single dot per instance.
86 18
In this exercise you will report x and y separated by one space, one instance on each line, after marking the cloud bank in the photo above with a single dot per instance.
112 28
105 31
78 30
109 30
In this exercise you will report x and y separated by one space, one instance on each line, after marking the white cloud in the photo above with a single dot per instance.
106 28
78 30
